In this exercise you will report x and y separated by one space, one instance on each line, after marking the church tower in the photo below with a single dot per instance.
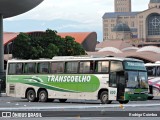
154 3
122 5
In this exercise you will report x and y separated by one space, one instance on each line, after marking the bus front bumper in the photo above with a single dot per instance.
136 97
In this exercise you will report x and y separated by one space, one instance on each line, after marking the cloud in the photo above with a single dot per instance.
88 12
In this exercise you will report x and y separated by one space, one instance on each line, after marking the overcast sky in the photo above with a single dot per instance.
89 12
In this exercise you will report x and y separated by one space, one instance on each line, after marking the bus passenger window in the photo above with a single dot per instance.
72 67
102 66
57 67
116 66
12 69
85 67
19 68
151 71
30 68
158 71
43 68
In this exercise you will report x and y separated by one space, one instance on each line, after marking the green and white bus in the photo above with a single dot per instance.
105 79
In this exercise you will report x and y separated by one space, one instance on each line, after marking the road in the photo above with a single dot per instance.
80 109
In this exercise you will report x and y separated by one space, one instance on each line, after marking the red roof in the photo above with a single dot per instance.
79 36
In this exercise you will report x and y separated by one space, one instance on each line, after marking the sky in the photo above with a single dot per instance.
67 16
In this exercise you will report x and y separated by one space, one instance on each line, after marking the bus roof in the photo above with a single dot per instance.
152 64
73 58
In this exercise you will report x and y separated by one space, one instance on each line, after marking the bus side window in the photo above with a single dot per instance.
158 70
57 67
151 71
71 67
43 68
12 69
19 68
116 66
102 66
85 67
30 68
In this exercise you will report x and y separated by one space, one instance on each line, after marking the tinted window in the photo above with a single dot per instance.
158 71
151 71
102 66
43 67
19 68
30 67
112 80
116 66
71 67
85 67
57 67
12 68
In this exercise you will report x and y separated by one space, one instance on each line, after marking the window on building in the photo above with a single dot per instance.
154 24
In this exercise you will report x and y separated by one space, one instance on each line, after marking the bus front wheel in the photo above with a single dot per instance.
43 96
62 100
104 98
31 95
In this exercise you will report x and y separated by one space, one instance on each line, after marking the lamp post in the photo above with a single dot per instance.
17 7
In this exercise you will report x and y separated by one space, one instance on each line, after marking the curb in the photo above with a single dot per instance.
3 94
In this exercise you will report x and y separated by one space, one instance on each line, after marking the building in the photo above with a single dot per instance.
143 25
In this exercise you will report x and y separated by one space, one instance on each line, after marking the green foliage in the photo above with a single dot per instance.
45 45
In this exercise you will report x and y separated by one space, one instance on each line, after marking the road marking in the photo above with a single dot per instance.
78 107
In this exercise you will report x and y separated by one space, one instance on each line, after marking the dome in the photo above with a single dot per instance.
149 49
154 1
121 27
110 49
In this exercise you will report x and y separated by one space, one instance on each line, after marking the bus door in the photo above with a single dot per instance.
120 77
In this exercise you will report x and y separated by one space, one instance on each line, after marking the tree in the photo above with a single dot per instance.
46 45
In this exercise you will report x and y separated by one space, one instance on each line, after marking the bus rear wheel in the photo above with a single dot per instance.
62 100
104 98
124 102
31 96
43 96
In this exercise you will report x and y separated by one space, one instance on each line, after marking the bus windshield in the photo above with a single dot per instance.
137 79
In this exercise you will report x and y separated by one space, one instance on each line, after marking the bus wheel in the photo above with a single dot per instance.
31 96
124 102
104 98
62 100
43 96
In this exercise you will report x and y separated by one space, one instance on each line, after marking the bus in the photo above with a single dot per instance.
153 70
89 78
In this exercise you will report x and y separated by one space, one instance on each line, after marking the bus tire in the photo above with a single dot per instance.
43 96
31 95
124 102
104 98
62 100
